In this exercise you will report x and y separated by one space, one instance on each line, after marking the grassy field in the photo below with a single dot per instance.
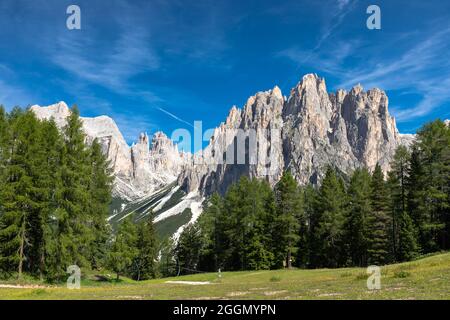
427 278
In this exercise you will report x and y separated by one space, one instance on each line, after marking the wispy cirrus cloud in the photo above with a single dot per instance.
330 24
131 125
421 67
344 8
129 56
330 61
342 3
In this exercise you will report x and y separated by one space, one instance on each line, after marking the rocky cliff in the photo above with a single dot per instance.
317 128
139 170
303 133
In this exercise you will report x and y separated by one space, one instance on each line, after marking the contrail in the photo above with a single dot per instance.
174 116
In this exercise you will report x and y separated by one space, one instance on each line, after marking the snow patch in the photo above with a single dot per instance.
160 203
196 209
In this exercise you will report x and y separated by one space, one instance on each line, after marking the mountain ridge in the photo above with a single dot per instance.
304 132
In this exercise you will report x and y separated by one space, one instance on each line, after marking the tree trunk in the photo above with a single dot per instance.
289 262
41 266
117 276
21 249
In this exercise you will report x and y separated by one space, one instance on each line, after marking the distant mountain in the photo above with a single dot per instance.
303 133
140 169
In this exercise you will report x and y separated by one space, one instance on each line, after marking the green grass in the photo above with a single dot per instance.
428 278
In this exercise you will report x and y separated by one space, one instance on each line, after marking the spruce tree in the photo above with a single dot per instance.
75 193
188 249
123 249
433 141
417 207
167 262
256 207
52 145
403 239
407 245
307 253
145 266
378 220
327 233
213 225
289 218
100 189
19 205
357 218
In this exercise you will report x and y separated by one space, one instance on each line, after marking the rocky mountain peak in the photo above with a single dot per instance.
58 111
234 116
346 129
276 92
139 169
143 139
302 133
356 90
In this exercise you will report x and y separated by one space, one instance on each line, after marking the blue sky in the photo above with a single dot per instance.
161 65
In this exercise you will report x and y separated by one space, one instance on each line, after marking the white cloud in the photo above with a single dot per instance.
342 3
131 125
129 55
422 67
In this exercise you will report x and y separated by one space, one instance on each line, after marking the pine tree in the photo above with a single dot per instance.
213 224
50 181
310 197
167 262
18 194
289 218
54 196
100 189
407 245
123 249
75 193
188 249
378 221
357 218
327 234
404 244
433 141
144 266
416 184
255 207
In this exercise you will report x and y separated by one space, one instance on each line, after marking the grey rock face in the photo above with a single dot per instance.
303 133
344 129
240 146
138 170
